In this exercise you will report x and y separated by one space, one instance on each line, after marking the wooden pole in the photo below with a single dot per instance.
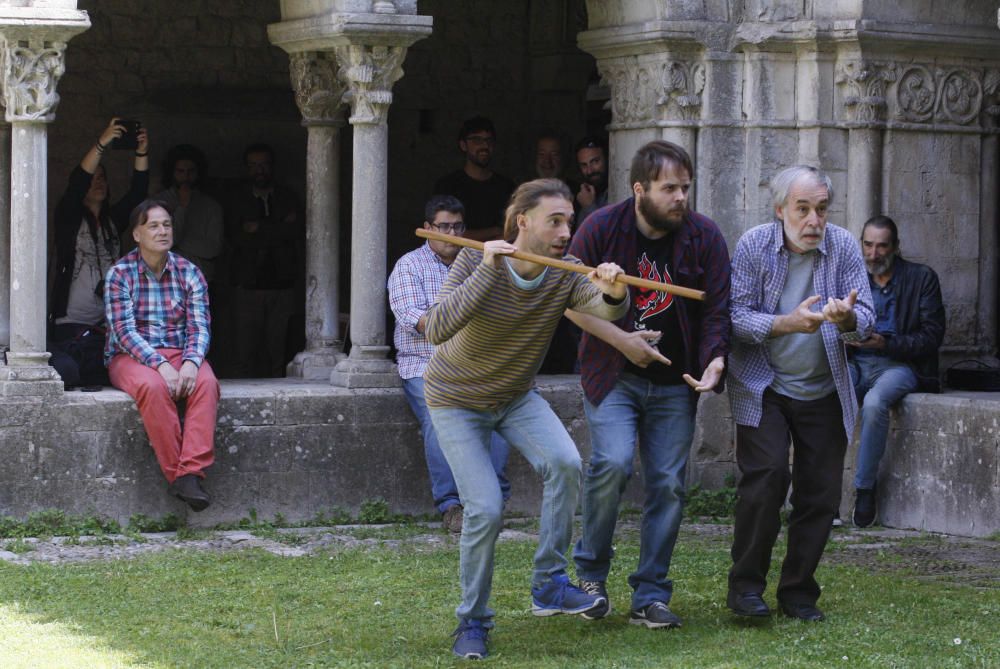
680 291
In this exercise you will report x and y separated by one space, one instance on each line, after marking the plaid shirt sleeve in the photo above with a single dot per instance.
197 332
406 296
750 324
119 310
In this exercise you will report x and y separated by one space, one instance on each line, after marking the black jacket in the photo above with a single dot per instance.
920 322
69 214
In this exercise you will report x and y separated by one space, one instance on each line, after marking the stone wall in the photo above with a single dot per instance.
298 448
282 446
941 471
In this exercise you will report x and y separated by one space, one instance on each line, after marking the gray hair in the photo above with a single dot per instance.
788 177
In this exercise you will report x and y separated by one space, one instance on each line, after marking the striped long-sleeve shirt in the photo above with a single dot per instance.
491 335
146 312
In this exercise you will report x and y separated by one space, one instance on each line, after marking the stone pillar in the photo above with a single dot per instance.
34 44
319 94
369 72
369 47
4 238
864 101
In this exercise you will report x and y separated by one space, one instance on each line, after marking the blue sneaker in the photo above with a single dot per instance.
470 640
558 595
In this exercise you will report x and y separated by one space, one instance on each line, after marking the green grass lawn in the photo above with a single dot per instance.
393 607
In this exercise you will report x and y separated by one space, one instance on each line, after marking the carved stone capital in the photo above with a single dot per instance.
865 84
319 92
681 85
31 72
631 89
369 73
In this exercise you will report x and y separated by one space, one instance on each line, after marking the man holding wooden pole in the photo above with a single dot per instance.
642 374
493 320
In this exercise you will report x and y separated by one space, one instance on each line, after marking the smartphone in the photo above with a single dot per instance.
130 138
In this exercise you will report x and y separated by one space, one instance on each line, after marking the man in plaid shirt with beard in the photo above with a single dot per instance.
158 334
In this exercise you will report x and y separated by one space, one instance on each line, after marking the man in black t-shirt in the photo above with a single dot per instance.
641 375
483 192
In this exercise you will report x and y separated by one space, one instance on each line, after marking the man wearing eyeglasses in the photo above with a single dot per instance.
413 288
483 192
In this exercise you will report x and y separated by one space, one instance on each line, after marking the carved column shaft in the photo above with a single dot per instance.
4 236
32 66
989 217
368 261
369 72
319 95
323 237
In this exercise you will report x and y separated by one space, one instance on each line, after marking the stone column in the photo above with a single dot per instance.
4 238
33 62
369 72
319 94
865 104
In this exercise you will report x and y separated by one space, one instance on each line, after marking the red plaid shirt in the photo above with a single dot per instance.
146 313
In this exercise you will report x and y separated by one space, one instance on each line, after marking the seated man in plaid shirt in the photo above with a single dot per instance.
413 287
158 334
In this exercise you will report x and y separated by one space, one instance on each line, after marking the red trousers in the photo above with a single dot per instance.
178 453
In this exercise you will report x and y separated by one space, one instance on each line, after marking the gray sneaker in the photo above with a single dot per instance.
654 616
597 589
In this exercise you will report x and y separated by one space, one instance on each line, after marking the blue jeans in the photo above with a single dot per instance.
530 426
662 417
879 383
442 482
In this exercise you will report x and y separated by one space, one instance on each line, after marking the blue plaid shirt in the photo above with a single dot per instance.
146 313
760 267
414 285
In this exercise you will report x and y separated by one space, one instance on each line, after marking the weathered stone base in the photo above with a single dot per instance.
941 469
366 373
315 365
296 448
30 381
282 446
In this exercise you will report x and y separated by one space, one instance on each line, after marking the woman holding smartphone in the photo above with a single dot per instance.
88 231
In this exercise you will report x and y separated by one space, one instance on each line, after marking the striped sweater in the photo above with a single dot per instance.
491 335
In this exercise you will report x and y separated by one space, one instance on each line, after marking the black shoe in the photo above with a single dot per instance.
749 604
865 507
654 616
802 611
597 589
188 489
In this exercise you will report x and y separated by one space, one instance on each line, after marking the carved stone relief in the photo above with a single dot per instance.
638 89
681 87
865 83
319 93
369 73
31 73
919 94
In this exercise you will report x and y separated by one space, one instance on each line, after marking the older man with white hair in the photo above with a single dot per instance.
799 293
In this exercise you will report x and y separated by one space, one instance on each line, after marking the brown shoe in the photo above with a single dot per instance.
188 489
451 519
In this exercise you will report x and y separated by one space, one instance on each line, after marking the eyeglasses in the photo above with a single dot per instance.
449 228
480 139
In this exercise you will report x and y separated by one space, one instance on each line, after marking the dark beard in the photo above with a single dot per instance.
656 221
599 180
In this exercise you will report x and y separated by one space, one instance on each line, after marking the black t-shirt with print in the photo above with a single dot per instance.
653 310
